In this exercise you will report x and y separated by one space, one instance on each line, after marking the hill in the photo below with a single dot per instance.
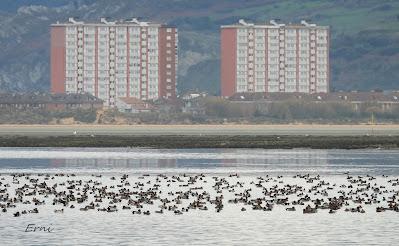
365 36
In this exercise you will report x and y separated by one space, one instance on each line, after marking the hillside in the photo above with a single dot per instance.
365 36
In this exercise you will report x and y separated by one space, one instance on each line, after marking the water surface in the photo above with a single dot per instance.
230 226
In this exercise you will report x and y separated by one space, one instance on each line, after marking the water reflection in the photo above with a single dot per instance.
127 159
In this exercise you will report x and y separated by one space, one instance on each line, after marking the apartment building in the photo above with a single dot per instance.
274 57
114 59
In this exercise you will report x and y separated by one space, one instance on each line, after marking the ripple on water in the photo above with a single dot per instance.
229 227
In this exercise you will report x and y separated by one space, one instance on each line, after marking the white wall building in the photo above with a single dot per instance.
114 59
274 58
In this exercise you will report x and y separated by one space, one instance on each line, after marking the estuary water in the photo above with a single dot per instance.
228 172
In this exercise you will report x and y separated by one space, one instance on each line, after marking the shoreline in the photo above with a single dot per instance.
208 141
201 130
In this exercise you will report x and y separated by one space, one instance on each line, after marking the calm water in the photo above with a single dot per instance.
230 226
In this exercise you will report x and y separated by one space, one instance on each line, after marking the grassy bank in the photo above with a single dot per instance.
267 142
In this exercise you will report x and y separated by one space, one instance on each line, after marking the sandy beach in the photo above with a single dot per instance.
289 129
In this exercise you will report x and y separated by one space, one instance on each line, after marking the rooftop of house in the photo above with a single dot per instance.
136 103
47 98
392 97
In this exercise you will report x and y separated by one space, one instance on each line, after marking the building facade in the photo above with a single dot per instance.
274 58
113 59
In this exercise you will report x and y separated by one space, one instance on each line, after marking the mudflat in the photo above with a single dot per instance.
205 141
191 130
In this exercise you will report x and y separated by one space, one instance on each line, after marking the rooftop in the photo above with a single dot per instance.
106 22
392 97
273 24
46 98
136 103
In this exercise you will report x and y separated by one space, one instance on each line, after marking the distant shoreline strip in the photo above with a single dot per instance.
205 141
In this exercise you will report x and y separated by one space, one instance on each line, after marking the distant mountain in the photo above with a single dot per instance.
365 36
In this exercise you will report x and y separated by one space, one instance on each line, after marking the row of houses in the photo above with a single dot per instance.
192 103
68 101
355 97
47 101
383 100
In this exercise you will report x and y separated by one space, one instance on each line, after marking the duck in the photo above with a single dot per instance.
309 210
178 212
380 209
137 212
112 209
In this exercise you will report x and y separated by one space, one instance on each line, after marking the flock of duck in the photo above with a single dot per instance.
22 194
